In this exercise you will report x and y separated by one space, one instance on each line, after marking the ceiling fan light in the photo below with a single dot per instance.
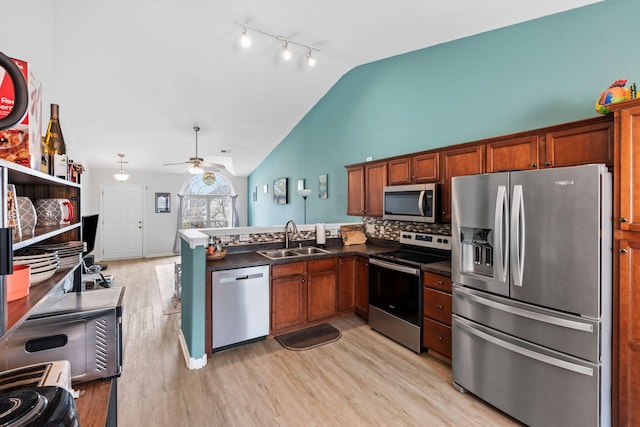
196 170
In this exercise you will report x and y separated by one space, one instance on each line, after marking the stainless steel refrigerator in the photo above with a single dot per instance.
531 265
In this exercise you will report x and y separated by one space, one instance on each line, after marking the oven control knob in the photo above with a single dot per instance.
445 241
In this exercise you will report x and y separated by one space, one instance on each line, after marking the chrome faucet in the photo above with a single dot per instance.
287 236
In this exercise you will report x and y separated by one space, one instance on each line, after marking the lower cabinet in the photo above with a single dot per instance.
628 332
303 292
437 310
346 284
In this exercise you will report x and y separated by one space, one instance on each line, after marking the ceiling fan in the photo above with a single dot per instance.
197 162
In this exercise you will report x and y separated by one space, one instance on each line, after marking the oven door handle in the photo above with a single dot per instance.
395 267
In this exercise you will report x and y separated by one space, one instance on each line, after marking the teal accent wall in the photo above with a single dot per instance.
531 75
192 315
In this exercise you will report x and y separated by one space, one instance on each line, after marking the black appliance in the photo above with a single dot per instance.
37 395
395 286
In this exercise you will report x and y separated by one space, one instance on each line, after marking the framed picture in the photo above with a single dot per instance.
280 191
163 202
322 187
255 194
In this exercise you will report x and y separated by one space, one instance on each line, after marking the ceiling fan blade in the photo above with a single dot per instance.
173 164
213 165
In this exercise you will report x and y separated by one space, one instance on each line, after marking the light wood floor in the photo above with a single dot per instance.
363 379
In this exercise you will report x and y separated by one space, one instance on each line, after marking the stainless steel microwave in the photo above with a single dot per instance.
410 202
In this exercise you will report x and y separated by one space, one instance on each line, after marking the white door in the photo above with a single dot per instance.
122 227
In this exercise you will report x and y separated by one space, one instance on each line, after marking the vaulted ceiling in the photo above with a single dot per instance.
134 77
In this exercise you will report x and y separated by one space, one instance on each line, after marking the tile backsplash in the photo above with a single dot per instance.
390 230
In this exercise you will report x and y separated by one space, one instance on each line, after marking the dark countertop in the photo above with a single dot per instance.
251 258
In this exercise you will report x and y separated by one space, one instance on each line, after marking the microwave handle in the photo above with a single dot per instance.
421 202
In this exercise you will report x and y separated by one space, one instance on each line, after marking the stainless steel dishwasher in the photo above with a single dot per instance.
240 306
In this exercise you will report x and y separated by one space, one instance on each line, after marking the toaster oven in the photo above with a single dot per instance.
83 328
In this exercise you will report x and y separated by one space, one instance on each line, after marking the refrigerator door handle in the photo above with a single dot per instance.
524 351
517 236
564 323
502 234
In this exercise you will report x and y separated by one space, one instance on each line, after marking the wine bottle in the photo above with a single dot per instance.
56 148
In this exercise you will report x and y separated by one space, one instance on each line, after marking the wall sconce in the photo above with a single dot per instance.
121 175
304 192
287 54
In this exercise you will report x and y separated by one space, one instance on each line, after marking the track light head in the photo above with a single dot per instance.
245 41
286 53
310 59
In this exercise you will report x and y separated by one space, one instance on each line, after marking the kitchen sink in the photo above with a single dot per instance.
309 250
293 252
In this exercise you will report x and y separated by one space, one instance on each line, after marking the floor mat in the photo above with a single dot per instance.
310 337
166 282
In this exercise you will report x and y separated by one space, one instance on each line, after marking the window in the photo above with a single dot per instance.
207 202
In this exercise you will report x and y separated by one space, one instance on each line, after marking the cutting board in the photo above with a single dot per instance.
352 235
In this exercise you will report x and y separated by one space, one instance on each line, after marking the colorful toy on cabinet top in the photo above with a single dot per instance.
617 92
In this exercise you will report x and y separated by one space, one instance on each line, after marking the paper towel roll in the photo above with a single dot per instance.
321 236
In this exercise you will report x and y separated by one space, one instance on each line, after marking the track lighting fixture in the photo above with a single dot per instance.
287 54
121 175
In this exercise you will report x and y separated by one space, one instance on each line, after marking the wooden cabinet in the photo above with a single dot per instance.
365 184
416 169
362 287
288 295
355 190
580 144
629 332
513 154
458 162
347 274
302 292
37 185
322 288
437 310
626 266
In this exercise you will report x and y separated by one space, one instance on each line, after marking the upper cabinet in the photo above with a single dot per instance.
416 169
513 154
365 184
579 145
582 142
458 162
628 177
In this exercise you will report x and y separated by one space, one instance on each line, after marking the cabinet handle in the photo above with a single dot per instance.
440 282
623 219
547 163
440 307
440 338
301 280
623 251
533 165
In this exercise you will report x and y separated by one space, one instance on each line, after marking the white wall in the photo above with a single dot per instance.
159 228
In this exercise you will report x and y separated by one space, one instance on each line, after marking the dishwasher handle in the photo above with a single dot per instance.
227 279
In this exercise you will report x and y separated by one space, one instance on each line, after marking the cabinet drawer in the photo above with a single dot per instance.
279 270
437 337
324 264
436 281
437 305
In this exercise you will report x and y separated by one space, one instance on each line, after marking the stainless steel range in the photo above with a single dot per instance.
395 286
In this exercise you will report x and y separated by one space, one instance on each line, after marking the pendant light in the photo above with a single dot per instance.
121 175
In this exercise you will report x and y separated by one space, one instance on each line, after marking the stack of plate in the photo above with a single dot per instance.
70 253
43 263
